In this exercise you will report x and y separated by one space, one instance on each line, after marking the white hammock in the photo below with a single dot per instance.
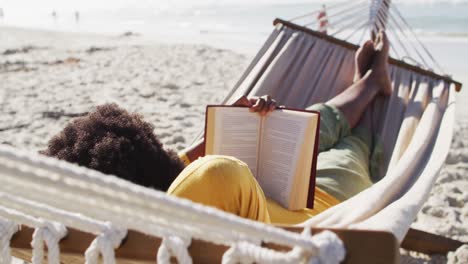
65 186
298 67
409 122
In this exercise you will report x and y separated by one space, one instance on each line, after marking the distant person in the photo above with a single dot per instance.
54 15
1 14
322 18
77 17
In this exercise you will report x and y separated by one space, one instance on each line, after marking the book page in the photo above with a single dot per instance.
236 133
282 138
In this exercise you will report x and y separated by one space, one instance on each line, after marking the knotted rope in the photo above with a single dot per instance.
331 251
174 246
95 195
49 233
105 244
140 209
378 15
7 230
245 252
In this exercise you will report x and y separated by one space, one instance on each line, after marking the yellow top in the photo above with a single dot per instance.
227 184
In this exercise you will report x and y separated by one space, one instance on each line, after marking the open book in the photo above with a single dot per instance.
280 149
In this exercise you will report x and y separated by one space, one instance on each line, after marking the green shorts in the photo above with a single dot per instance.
344 154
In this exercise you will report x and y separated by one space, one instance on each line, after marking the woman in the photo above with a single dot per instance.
115 142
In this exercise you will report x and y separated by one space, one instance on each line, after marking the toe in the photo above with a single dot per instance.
367 49
368 44
385 42
364 58
382 49
381 42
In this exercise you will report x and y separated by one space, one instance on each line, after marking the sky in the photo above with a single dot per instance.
67 5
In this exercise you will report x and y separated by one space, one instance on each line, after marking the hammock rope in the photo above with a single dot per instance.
400 29
339 17
45 232
109 236
336 6
7 230
48 212
382 15
351 24
87 182
105 244
148 211
174 246
378 12
410 29
338 22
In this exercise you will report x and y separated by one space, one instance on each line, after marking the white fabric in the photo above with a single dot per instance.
405 208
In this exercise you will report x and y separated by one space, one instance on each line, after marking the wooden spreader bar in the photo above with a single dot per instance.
361 247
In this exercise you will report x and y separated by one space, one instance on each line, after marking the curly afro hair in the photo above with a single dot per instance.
113 141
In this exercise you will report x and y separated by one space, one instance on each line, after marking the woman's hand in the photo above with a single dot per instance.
262 105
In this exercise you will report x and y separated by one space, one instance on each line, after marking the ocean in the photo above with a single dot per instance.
251 19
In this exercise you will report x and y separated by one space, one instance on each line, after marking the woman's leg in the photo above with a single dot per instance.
225 183
345 126
354 100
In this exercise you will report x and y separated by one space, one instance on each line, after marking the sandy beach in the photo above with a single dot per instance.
49 78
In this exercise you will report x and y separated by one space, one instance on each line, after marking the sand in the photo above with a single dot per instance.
48 78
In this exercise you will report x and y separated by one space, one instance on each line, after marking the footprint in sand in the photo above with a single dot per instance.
177 139
146 93
198 83
435 211
187 124
22 50
163 135
94 49
170 86
455 201
446 177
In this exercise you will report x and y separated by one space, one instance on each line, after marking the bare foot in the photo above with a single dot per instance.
379 70
363 59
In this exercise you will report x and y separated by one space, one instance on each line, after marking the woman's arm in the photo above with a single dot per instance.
196 150
262 105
